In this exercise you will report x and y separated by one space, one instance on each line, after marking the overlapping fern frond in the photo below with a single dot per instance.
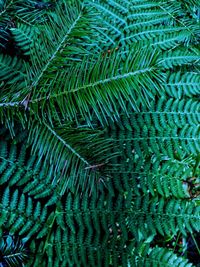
14 252
102 102
78 153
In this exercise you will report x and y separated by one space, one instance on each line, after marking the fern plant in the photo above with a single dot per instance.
99 134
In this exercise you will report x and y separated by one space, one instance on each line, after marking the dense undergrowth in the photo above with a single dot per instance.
100 133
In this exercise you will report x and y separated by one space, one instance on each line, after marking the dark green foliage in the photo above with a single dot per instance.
169 127
99 134
13 252
157 257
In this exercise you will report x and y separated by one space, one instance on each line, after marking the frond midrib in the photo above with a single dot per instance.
70 148
100 82
13 255
58 48
162 138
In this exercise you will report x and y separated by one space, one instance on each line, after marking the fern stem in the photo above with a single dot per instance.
101 82
66 145
13 255
177 239
167 112
10 104
195 242
14 104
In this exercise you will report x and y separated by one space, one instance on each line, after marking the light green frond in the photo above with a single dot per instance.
179 85
97 88
158 257
23 36
179 57
166 217
78 154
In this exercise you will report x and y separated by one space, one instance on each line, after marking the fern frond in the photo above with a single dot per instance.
178 57
108 81
156 215
157 256
12 69
60 30
150 32
32 12
35 177
161 130
23 36
179 85
5 5
77 153
97 234
138 18
13 252
66 18
109 32
168 40
164 177
16 213
107 158
180 13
